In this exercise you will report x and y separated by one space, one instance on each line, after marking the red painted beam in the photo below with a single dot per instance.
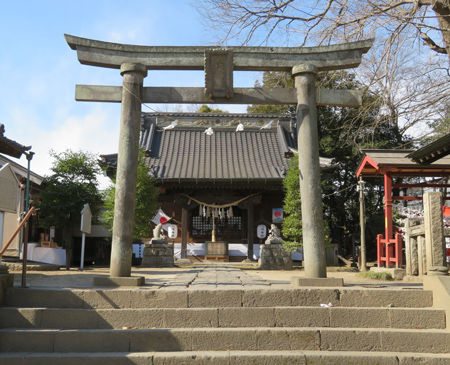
421 185
412 198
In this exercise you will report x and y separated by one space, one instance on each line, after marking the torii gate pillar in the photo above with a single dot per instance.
130 119
308 160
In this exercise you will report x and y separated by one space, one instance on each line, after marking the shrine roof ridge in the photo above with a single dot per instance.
218 115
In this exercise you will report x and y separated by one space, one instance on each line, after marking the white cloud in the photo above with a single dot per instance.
96 132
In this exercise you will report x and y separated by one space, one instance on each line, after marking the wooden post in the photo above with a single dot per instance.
184 231
388 207
250 229
362 223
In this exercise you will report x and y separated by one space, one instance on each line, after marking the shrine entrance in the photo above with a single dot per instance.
218 64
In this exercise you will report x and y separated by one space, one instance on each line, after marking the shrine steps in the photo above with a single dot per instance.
222 326
205 296
226 358
231 317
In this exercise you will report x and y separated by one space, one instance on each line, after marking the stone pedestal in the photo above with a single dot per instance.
158 253
434 234
274 257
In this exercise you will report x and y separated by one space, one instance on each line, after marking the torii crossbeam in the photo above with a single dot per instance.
218 64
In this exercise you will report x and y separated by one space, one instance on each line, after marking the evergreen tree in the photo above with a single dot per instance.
72 184
206 109
292 222
342 133
146 201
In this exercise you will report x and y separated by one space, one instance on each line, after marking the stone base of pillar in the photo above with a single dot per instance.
274 257
158 254
119 281
437 270
322 282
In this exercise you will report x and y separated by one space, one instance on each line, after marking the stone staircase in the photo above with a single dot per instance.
222 326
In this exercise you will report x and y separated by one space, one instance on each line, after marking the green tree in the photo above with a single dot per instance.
73 183
146 201
342 133
292 223
292 206
206 109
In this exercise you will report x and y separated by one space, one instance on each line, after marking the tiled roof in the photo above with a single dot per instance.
188 153
432 151
401 158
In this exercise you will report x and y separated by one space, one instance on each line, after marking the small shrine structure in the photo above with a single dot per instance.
389 165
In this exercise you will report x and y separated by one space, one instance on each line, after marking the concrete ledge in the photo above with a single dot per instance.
326 282
440 285
119 281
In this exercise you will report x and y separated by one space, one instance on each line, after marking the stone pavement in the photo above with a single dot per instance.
218 276
205 275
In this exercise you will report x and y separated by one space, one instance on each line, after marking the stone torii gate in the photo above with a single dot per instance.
218 64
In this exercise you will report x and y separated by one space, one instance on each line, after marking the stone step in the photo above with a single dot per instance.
226 358
66 318
200 298
224 339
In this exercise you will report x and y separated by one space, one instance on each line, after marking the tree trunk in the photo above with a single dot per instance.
442 9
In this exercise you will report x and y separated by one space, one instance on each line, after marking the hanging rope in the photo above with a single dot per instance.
217 206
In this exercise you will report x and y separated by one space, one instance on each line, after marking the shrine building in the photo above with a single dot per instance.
218 170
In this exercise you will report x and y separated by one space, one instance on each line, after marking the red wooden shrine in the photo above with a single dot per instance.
389 164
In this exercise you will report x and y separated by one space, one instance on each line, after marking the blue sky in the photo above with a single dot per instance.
38 70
